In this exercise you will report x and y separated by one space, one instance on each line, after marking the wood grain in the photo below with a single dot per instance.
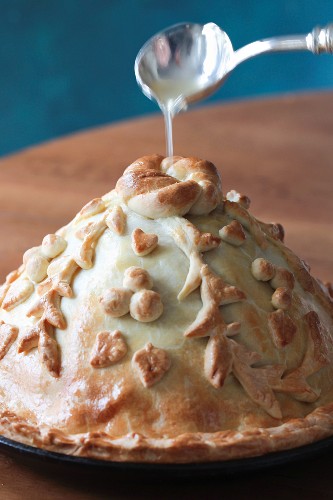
279 152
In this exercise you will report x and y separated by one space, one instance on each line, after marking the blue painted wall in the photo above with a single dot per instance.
68 64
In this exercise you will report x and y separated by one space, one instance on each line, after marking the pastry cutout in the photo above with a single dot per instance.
48 352
239 213
17 293
8 335
146 306
53 245
316 357
281 298
10 278
274 230
36 268
233 329
31 337
116 220
282 328
262 269
318 352
109 348
257 382
151 364
214 293
48 306
84 231
218 358
30 253
283 279
116 301
233 233
94 207
41 335
136 278
86 252
300 271
61 273
143 243
192 242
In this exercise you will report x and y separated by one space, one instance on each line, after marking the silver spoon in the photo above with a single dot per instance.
187 62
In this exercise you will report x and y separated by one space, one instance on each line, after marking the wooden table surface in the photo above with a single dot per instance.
279 152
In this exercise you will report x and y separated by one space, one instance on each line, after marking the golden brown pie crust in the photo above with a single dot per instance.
166 324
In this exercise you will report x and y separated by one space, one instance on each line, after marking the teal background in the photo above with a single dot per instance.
66 65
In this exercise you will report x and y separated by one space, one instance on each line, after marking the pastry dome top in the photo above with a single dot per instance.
163 318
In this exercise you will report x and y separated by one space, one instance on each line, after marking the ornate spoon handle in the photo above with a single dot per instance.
319 41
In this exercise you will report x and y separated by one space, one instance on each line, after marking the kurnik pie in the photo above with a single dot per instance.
165 323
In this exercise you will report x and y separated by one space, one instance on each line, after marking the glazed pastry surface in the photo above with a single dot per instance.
165 324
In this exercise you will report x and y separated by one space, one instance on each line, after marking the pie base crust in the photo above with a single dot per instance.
186 448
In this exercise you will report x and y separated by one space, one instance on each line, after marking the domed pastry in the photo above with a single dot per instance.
165 323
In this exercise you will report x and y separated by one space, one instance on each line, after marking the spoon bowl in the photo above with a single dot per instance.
183 64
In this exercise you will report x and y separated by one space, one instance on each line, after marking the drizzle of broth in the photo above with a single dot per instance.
171 97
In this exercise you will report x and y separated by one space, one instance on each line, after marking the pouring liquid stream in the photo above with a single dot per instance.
168 116
171 96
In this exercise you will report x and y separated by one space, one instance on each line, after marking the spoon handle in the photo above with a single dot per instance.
319 41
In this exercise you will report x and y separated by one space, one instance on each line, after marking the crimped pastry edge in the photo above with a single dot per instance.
185 448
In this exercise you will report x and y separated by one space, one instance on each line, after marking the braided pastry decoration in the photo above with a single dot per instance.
155 187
